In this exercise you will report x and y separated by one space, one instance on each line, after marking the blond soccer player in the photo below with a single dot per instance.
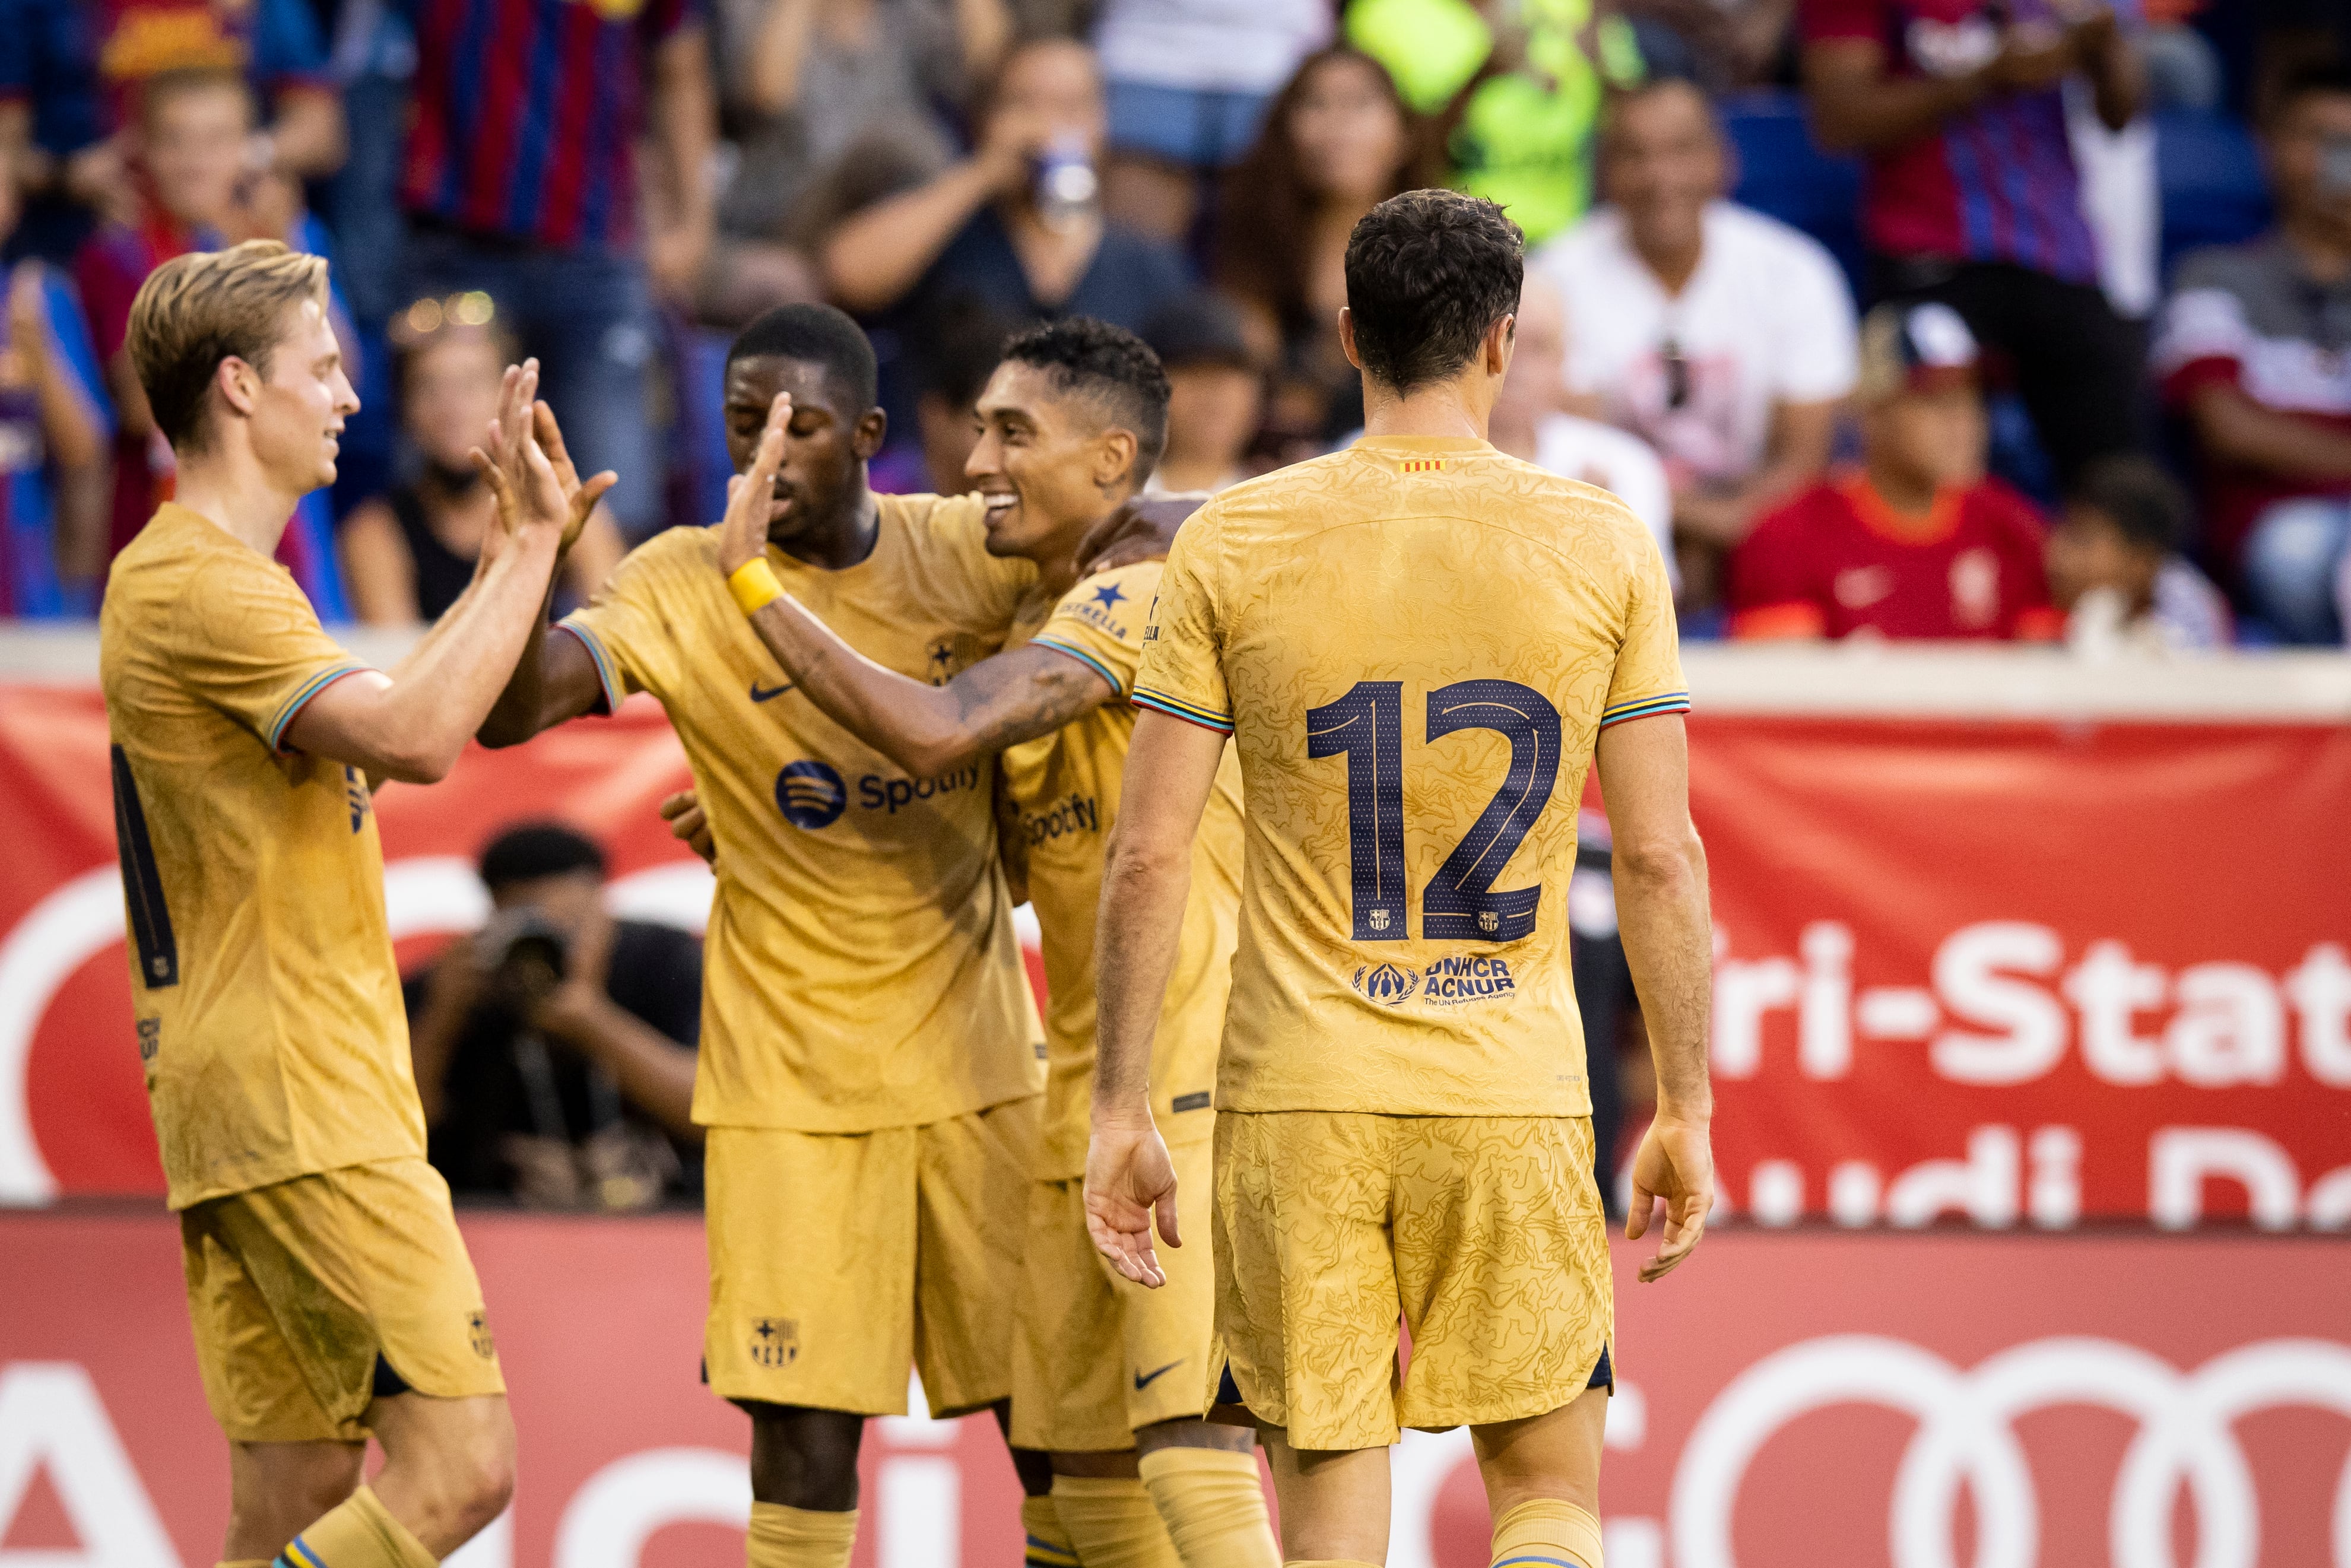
329 1292
870 1067
1417 646
1105 1373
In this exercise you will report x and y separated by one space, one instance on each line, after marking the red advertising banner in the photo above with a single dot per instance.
2030 973
2021 974
1814 1398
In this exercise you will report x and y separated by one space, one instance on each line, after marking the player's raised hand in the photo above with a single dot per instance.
689 824
1140 529
1675 1163
529 497
1131 1182
583 497
751 496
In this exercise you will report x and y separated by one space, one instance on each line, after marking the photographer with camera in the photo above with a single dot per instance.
554 1049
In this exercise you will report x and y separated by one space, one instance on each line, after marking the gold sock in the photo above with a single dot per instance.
1113 1522
1049 1543
799 1537
1547 1532
1214 1507
358 1532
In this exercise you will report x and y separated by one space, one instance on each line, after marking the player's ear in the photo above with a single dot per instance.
867 438
237 382
1501 338
1114 456
1347 337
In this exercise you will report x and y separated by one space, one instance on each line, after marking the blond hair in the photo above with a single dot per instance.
196 311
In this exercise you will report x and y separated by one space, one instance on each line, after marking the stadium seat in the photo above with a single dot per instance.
2209 173
1783 173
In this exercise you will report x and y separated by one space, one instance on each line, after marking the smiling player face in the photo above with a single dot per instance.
1047 466
298 409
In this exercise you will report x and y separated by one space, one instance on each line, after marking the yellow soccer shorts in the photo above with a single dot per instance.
1485 1233
1096 1356
838 1259
298 1290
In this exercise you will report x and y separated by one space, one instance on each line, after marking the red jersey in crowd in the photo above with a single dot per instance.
1993 182
1837 562
526 115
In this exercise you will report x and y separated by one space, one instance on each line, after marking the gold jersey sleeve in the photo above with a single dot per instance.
262 977
861 969
1415 644
1066 787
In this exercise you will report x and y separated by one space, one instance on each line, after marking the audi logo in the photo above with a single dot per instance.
2184 1436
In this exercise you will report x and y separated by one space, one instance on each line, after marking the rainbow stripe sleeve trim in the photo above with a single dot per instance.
1190 713
1082 657
1646 708
302 698
608 674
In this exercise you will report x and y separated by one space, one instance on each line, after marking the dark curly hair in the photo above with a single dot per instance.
816 335
1427 273
1112 367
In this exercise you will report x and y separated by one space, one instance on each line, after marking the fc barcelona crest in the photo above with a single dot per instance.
774 1341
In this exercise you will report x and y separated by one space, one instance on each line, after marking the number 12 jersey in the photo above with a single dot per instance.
1415 644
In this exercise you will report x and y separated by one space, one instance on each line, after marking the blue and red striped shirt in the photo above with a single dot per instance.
527 113
1994 183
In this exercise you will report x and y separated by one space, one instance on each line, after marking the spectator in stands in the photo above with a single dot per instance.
962 348
809 88
554 1049
1971 195
197 192
407 556
1531 420
1338 140
54 425
1190 81
1214 395
2255 351
1722 338
1517 88
1018 227
522 183
2115 570
1919 542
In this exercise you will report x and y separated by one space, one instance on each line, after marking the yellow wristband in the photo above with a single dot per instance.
754 585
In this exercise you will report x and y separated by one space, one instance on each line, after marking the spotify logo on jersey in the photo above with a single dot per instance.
810 794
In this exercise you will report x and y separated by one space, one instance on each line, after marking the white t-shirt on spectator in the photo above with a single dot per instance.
1619 462
1209 45
1765 320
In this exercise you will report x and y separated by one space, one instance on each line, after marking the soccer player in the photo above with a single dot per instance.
1416 646
330 1290
870 1065
1106 1374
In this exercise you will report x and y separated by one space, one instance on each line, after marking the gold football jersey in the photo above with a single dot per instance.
861 969
1415 644
262 975
1066 787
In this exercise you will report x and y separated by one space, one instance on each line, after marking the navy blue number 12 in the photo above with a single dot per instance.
1459 903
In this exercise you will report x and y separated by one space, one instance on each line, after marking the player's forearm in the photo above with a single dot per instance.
911 723
1141 925
444 690
1662 919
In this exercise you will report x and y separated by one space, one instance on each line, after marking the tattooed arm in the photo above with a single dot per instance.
929 730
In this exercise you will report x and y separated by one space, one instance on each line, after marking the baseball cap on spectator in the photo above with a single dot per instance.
1914 348
1198 328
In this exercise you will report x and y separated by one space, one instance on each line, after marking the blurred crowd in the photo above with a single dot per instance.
2019 320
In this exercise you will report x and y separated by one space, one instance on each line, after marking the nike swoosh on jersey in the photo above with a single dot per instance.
1144 1380
770 695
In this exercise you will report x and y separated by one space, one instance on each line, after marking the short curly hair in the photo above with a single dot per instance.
198 309
1110 365
1427 273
